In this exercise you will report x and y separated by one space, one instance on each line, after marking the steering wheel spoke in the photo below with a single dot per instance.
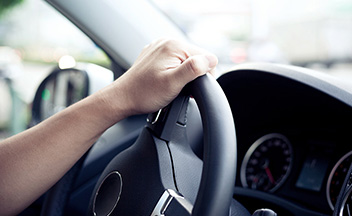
172 203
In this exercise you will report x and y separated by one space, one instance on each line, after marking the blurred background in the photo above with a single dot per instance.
309 33
34 38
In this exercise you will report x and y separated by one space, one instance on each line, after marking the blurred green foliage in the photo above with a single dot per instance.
8 4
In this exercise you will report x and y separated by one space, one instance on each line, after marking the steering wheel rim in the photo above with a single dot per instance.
218 172
219 157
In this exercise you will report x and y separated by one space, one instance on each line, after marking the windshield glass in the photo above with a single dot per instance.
309 33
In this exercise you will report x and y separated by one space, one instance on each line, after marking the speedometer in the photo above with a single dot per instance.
336 178
267 163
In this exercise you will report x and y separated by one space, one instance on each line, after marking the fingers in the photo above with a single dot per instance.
195 66
160 72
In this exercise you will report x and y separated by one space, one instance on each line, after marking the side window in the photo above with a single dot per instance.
34 39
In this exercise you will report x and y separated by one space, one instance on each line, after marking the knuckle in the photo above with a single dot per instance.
171 42
194 67
169 45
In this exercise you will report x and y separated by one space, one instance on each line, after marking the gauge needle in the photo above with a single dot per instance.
268 172
255 183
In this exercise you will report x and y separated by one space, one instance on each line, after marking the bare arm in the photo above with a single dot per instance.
32 161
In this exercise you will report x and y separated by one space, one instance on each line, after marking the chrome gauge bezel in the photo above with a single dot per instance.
338 163
254 147
347 196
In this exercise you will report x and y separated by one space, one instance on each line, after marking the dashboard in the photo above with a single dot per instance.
293 139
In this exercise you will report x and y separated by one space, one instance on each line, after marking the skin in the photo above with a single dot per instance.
34 160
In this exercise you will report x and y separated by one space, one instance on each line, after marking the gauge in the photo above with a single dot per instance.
336 178
346 203
267 163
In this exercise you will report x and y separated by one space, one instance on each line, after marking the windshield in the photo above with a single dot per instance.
309 33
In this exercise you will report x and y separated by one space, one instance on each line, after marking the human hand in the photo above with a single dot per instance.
160 72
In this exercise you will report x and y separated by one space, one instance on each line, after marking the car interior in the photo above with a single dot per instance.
291 126
260 139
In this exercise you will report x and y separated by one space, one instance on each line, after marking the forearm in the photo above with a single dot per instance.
31 162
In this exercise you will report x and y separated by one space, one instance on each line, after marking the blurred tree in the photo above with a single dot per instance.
7 4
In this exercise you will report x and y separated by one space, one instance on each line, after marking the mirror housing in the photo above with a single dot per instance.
63 87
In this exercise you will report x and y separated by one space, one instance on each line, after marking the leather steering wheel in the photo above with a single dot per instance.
160 174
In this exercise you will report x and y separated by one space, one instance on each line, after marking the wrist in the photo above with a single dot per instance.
112 103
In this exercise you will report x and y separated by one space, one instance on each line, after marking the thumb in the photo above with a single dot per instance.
194 67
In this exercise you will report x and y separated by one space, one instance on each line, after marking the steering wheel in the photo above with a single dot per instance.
160 174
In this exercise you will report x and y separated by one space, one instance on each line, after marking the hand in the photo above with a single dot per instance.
160 72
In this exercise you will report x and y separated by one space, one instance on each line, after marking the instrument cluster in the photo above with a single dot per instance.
268 162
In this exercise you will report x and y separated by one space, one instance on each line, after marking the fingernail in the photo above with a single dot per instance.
213 60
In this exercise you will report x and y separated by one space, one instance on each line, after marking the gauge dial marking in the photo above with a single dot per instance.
336 178
267 163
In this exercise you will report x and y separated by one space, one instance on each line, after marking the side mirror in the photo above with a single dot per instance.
63 87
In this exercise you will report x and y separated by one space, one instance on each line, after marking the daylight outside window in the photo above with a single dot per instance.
34 39
308 33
